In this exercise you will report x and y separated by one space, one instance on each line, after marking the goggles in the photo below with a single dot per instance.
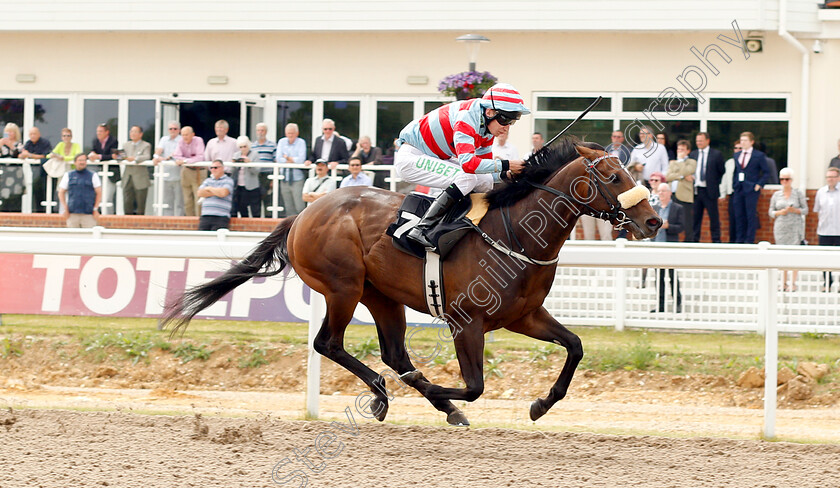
502 117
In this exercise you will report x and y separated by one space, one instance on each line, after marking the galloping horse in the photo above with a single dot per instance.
339 248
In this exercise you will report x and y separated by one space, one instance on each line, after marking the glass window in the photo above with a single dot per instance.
51 117
11 111
346 117
674 131
642 104
391 117
142 113
770 137
296 112
572 104
98 112
429 106
597 131
748 105
202 116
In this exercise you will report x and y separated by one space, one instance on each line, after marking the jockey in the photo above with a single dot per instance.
451 148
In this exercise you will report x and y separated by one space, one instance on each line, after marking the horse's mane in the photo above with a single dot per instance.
539 167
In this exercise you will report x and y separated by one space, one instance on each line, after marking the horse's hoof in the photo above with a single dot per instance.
411 377
458 419
379 408
537 409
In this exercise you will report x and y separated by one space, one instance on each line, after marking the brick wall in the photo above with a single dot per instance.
765 232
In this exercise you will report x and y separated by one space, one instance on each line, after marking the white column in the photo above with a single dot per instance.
771 355
317 311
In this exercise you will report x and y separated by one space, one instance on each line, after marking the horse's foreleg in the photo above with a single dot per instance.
330 343
541 325
390 327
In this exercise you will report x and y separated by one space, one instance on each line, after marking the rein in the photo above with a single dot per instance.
614 213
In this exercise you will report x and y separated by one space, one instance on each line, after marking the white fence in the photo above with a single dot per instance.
727 287
109 207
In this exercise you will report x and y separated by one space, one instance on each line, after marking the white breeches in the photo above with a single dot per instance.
414 166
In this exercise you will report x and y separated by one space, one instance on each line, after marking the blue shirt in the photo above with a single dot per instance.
265 153
664 213
297 151
361 180
218 206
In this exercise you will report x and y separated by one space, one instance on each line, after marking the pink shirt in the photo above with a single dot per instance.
220 149
192 152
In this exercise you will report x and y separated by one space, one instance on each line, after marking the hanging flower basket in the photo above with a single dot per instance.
466 85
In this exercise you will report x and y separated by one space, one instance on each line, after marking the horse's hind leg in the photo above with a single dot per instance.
390 327
330 343
541 325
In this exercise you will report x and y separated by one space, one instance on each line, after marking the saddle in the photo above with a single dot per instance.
446 234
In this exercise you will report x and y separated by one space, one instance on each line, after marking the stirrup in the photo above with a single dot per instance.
418 236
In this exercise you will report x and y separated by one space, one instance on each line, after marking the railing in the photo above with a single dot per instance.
161 170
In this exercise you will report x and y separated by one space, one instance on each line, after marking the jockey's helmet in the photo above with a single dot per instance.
506 101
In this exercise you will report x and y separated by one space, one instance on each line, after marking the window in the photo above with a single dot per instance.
640 104
346 117
748 105
98 112
770 137
51 117
11 111
429 106
597 131
142 113
297 112
391 117
674 131
572 104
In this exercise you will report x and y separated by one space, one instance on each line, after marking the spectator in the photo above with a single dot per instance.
266 153
104 147
324 147
537 142
318 185
772 168
835 161
356 177
662 138
503 150
217 193
788 208
12 184
827 205
292 150
61 157
681 176
617 148
136 179
173 197
707 181
80 192
655 180
673 221
246 193
749 177
371 155
220 147
37 148
726 188
190 150
649 156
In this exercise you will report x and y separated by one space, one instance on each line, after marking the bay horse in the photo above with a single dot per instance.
338 247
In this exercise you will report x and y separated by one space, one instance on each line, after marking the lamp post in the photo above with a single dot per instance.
473 42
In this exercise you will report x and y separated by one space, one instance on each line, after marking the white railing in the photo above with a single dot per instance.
751 270
108 207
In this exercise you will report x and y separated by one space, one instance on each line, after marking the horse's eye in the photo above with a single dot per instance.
614 178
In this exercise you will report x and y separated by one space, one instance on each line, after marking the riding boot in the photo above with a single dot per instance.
434 215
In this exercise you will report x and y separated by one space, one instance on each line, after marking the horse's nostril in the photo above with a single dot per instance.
653 222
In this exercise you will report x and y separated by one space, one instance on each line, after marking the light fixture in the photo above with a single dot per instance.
473 42
818 46
217 80
754 45
25 78
417 80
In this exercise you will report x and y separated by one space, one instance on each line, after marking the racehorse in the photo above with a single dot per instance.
338 247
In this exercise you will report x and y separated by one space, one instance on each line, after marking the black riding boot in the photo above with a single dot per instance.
433 216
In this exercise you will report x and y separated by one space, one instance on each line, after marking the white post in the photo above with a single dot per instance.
275 191
26 204
771 355
105 182
764 289
317 311
159 174
620 289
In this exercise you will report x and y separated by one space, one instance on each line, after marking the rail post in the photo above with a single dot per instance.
317 311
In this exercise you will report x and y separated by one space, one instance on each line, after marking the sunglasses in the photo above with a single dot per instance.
784 179
243 147
503 117
215 167
328 128
173 128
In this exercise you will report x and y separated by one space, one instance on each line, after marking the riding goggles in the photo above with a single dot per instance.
505 118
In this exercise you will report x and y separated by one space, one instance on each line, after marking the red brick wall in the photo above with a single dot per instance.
135 222
765 233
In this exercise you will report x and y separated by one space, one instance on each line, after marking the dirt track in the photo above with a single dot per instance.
64 448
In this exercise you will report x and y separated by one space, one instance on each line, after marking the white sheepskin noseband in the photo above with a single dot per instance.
633 196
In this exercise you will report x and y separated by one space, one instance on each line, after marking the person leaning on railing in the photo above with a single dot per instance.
788 206
12 185
173 197
190 150
37 148
246 180
136 181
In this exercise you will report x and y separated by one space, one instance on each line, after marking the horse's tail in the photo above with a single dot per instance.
271 254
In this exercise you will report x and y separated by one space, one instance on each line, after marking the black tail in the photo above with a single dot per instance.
271 254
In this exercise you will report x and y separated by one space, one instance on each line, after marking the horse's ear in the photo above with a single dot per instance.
586 152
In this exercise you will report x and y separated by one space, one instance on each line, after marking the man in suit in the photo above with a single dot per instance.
673 221
104 147
136 179
328 147
751 173
706 179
